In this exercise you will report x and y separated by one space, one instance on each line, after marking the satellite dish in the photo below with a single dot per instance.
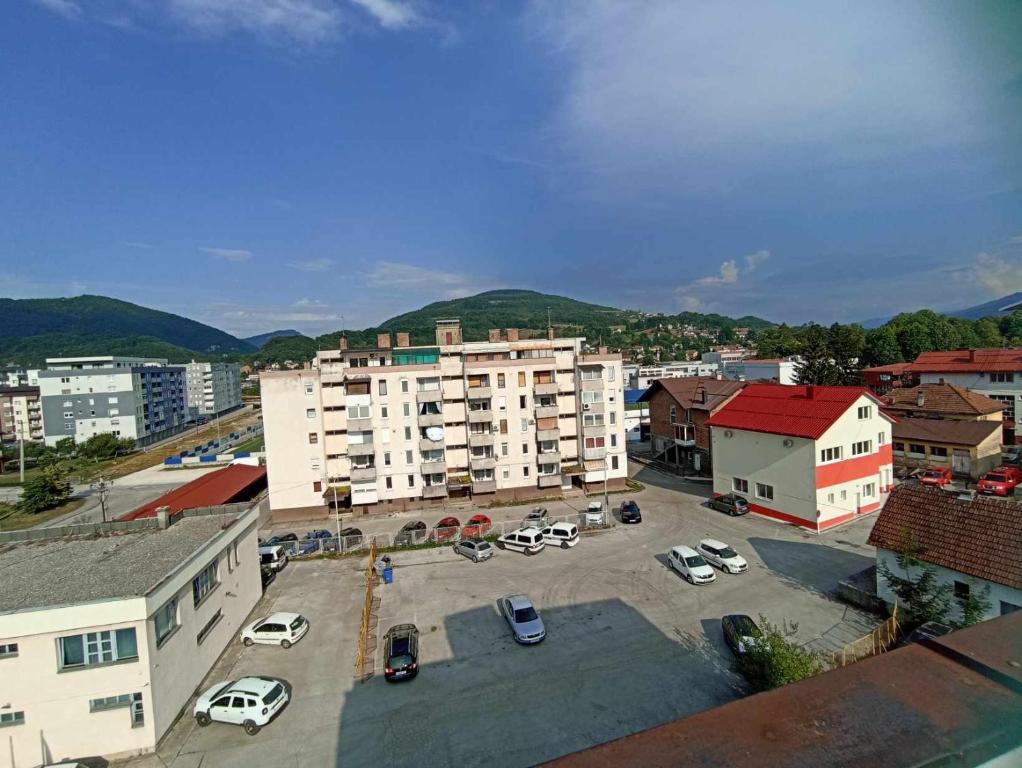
436 434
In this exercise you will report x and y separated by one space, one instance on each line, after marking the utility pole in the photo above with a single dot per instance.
21 456
606 502
103 488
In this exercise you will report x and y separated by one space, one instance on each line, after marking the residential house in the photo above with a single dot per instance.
942 401
881 379
975 546
813 456
967 448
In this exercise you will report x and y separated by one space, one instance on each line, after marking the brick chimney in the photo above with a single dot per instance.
494 335
512 334
402 339
343 345
920 398
383 340
972 355
601 350
701 394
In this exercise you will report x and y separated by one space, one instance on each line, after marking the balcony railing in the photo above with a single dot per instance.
594 453
360 425
484 486
363 473
543 435
550 481
592 385
361 449
479 393
482 462
546 411
434 491
425 444
433 466
431 419
476 441
550 457
593 407
480 417
429 396
545 388
593 430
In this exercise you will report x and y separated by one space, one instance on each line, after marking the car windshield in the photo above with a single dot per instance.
273 695
745 627
996 478
739 501
482 546
728 552
525 614
399 661
694 561
298 623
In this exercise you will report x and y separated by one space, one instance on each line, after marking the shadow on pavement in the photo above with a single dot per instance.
809 565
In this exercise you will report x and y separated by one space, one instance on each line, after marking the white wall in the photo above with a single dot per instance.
290 458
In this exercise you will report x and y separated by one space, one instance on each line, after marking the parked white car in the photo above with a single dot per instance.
721 555
594 513
250 702
283 629
691 565
561 535
526 540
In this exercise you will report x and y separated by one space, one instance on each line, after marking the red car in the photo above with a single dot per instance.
937 476
476 527
1000 481
446 529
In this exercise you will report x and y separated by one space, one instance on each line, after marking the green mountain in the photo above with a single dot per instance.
262 338
33 329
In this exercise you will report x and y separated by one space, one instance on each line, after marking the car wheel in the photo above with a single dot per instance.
285 644
250 727
529 553
248 642
475 558
564 545
202 718
500 545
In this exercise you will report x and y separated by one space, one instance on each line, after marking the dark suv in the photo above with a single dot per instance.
731 503
630 513
401 651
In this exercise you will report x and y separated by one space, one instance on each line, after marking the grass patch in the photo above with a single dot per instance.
253 445
12 520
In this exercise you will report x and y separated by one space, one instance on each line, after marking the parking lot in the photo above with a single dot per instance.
629 643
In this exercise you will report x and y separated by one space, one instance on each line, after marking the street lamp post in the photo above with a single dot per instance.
103 488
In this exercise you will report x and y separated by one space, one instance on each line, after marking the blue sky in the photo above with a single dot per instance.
261 164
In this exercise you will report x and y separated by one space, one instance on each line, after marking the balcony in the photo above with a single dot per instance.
593 407
434 491
433 466
482 462
429 396
551 457
592 385
361 449
593 454
684 435
484 486
550 481
546 411
593 430
477 441
543 435
431 419
479 393
360 425
545 388
363 474
480 417
425 444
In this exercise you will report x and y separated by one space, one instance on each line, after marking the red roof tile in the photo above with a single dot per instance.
779 409
982 537
896 368
969 361
941 398
218 487
685 390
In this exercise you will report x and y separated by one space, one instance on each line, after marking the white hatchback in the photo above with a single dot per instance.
594 513
691 565
721 555
251 702
283 629
526 540
561 535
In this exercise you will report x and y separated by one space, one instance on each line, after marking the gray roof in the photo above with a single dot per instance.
56 572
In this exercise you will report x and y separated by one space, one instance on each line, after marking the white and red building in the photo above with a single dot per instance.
812 456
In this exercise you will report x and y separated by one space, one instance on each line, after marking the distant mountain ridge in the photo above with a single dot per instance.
996 308
261 339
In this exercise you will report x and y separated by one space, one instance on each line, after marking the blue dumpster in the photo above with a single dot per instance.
388 575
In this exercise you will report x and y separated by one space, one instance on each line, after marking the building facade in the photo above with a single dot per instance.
134 398
811 456
411 426
882 379
780 371
104 639
21 416
213 388
968 448
644 376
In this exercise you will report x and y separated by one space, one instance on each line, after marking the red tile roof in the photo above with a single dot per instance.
942 399
799 411
895 368
220 487
947 431
685 391
982 537
969 361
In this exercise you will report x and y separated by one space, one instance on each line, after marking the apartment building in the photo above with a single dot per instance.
781 371
996 373
643 377
812 456
413 425
21 416
213 388
104 638
142 399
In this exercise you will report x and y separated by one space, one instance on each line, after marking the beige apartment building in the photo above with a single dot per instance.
414 426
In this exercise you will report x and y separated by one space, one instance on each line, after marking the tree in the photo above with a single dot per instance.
775 660
102 446
49 489
987 333
65 446
922 598
780 341
847 344
881 347
974 607
816 366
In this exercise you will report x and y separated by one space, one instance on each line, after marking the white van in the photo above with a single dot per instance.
561 535
526 540
273 557
691 565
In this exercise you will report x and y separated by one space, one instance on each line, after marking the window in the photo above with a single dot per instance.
525 448
404 385
411 481
309 387
208 626
898 447
506 474
313 438
112 400
881 438
521 378
1002 378
165 621
863 446
613 440
314 463
317 486
112 702
382 386
844 495
830 454
408 457
500 381
8 650
503 426
12 718
917 448
93 648
830 498
613 417
868 491
502 403
674 413
406 409
383 411
961 590
310 413
389 483
740 485
594 442
386 458
408 433
865 412
204 583
525 471
1007 607
764 491
521 401
938 450
359 412
613 462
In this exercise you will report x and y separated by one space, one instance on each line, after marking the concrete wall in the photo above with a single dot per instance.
290 458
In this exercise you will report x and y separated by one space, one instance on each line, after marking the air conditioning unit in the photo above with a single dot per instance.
585 406
788 442
728 433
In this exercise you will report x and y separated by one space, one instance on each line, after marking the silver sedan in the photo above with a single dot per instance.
526 625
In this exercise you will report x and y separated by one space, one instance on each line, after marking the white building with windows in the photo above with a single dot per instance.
812 456
643 378
104 638
212 388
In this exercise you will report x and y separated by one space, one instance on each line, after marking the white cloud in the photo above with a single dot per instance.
312 265
227 254
999 273
423 282
727 276
690 303
309 304
753 260
66 8
301 21
390 14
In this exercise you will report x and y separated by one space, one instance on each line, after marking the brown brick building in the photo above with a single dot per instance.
678 411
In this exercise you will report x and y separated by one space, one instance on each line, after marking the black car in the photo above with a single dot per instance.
289 541
401 651
630 513
731 503
413 532
740 632
268 575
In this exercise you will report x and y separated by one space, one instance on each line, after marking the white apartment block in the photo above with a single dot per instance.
412 426
104 638
643 377
21 415
212 388
781 371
